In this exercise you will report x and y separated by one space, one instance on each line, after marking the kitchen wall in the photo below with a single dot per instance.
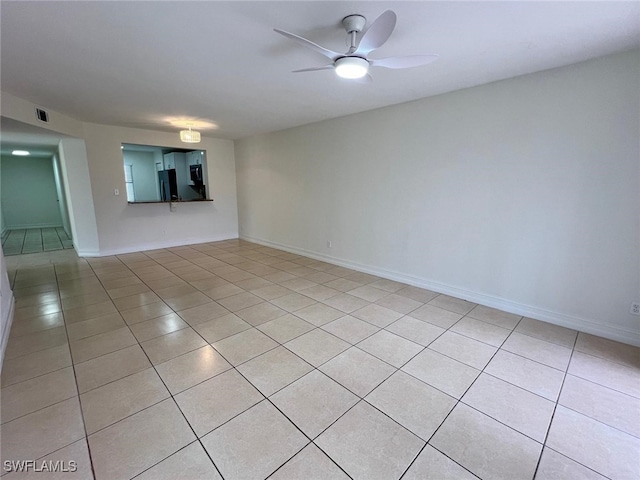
29 197
522 194
125 228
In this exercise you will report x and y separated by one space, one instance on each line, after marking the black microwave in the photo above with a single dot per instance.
195 172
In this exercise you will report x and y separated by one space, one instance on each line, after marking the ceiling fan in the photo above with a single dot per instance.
355 62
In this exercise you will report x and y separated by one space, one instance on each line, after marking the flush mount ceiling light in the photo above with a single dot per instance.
20 153
189 136
351 67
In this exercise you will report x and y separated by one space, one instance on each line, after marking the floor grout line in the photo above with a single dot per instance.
192 259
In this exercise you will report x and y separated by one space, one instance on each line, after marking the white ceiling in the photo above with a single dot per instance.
142 64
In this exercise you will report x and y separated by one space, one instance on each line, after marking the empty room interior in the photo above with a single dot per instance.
320 240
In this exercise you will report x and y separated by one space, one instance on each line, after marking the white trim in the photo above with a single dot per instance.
561 319
87 253
156 245
6 330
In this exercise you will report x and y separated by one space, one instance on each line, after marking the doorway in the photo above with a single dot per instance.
33 207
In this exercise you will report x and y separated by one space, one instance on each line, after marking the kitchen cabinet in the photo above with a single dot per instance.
172 160
194 158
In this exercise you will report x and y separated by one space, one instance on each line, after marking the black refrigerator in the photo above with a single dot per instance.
168 185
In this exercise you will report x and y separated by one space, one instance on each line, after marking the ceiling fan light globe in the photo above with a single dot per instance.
351 67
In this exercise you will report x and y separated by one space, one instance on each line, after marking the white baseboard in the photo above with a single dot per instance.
156 245
557 318
88 253
5 331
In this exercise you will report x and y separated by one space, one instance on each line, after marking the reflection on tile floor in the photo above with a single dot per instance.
235 360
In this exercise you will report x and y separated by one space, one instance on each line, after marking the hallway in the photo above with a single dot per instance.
35 240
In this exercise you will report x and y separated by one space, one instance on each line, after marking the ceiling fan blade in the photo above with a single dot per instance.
377 34
314 69
309 44
409 61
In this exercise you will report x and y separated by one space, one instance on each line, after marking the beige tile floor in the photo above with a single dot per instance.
234 360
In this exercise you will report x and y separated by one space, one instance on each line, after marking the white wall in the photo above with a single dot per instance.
24 111
126 228
74 166
6 307
3 227
29 198
75 175
522 194
62 200
104 224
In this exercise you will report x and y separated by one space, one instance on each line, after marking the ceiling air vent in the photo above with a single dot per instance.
42 115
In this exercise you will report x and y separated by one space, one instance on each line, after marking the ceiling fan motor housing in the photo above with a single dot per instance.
354 23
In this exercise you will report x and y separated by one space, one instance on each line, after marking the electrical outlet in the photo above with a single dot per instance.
328 243
635 308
